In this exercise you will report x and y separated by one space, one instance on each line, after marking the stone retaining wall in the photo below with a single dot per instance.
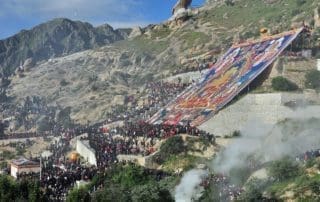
268 108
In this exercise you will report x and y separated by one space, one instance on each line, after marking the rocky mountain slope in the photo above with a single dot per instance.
53 39
95 81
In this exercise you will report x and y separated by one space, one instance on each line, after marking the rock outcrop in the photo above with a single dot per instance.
136 31
55 38
28 64
317 17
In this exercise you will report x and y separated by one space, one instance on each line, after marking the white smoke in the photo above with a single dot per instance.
270 142
264 142
187 190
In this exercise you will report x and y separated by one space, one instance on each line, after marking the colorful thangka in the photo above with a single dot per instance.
233 72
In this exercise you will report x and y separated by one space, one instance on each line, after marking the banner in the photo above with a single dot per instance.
234 71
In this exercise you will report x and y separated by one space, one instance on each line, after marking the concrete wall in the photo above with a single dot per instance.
84 149
132 158
187 77
15 171
268 108
146 161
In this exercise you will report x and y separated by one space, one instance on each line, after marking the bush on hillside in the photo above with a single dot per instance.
313 79
300 2
63 82
253 190
229 2
172 146
284 169
282 84
78 194
129 182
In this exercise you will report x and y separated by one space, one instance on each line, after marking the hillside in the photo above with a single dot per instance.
155 52
84 97
53 39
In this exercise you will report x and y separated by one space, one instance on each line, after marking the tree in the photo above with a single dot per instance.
172 146
150 192
313 79
63 118
211 193
34 193
229 2
79 194
3 127
112 193
25 190
282 84
130 176
43 124
284 169
253 191
7 189
3 95
300 2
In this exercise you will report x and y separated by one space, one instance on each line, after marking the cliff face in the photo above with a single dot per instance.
52 39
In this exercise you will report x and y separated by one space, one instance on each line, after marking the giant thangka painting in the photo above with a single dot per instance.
233 72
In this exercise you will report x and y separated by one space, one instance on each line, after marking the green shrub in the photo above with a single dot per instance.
78 194
236 133
3 165
7 154
300 2
150 192
63 82
253 190
92 78
229 2
284 169
282 84
94 87
130 176
313 79
172 146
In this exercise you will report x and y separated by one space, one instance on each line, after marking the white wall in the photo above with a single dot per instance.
15 171
267 108
84 149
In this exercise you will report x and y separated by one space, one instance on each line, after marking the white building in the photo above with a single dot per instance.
24 165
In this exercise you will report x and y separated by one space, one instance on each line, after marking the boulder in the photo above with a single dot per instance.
180 14
316 18
28 64
118 100
136 31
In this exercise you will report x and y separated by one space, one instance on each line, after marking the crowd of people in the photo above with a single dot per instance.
59 172
135 137
311 154
227 191
197 67
158 94
25 113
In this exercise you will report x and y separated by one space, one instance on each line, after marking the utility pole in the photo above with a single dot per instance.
40 168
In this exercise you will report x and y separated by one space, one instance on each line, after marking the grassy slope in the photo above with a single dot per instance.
258 13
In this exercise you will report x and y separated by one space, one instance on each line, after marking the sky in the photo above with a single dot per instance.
16 15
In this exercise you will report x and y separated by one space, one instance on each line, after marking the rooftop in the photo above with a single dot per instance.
24 162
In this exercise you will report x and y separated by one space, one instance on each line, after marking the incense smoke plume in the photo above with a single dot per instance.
187 190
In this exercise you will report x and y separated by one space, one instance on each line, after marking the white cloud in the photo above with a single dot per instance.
119 12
